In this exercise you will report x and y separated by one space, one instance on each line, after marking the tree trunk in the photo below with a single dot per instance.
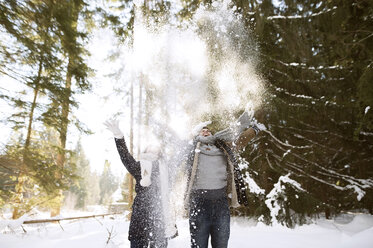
63 134
71 38
22 177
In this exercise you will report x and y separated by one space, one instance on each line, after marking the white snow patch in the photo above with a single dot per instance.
360 193
366 110
286 153
253 186
272 202
357 231
366 133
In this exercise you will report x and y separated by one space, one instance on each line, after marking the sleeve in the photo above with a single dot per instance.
245 138
225 135
132 166
243 123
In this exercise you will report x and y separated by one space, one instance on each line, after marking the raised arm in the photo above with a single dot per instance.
165 132
243 123
245 129
169 137
128 161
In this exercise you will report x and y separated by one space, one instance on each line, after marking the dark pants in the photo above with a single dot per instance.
146 243
209 215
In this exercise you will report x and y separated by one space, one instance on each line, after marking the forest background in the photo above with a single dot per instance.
315 58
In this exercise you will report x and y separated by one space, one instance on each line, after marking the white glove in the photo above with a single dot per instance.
248 115
245 120
113 126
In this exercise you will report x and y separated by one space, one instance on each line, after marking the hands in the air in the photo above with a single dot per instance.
113 126
247 119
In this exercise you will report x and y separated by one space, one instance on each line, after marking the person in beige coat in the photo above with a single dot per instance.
215 182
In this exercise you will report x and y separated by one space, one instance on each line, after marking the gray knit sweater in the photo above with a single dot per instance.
212 162
212 168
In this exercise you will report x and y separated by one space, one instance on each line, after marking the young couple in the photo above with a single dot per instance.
214 184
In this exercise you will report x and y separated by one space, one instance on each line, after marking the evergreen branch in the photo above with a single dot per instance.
278 17
285 144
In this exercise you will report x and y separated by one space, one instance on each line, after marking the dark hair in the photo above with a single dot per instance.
205 127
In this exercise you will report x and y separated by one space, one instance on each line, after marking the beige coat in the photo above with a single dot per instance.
241 142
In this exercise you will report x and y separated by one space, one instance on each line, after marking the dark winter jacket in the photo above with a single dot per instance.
146 220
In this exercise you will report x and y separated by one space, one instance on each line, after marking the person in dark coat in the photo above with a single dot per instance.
149 225
215 182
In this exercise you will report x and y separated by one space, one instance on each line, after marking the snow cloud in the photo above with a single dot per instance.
205 67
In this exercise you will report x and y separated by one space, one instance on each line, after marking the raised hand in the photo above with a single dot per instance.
249 109
113 126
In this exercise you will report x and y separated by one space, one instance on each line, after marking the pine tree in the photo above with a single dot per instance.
67 16
80 187
315 55
41 185
30 25
108 184
43 35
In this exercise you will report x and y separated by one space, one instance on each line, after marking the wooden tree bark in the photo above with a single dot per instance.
22 177
65 103
63 134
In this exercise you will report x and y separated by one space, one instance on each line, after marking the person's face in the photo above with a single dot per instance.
205 132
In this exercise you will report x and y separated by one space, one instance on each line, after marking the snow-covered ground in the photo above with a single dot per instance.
354 231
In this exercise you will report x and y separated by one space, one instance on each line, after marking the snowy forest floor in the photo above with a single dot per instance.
355 231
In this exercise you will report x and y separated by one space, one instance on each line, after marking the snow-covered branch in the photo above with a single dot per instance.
272 201
285 144
301 17
312 99
353 183
318 131
315 143
253 186
305 66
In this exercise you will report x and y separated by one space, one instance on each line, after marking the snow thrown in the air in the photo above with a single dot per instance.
182 66
191 72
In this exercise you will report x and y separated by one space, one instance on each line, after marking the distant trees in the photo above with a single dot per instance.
89 188
42 49
39 186
108 184
79 187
